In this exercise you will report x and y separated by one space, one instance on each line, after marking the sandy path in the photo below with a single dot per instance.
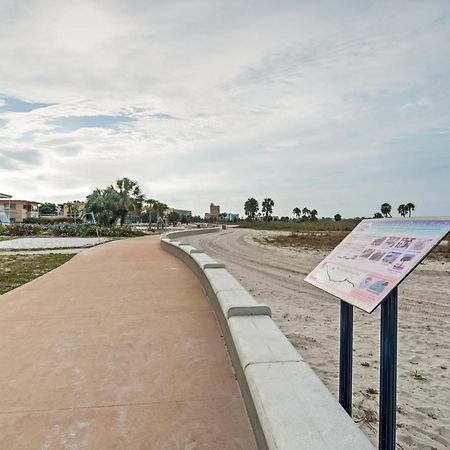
310 319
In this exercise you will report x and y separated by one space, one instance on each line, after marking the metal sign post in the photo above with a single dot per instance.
388 372
346 357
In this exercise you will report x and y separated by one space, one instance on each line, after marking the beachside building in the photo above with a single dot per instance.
73 209
214 212
231 217
67 210
15 210
183 212
4 208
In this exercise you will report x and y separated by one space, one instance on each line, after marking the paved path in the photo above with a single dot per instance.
116 349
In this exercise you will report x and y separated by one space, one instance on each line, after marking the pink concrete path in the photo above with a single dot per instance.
117 349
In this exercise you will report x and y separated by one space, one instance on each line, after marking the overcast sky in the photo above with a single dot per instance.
334 105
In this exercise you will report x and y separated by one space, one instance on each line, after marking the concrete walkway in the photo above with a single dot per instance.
117 349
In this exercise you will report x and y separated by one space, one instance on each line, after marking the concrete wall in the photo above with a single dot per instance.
288 406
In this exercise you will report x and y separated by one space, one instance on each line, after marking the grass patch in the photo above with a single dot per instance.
16 270
418 376
327 240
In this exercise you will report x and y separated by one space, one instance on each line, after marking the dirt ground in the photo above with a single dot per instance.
310 320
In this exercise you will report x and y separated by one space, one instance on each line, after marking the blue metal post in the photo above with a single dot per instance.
388 372
346 357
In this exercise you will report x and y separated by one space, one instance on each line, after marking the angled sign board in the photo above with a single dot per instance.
376 257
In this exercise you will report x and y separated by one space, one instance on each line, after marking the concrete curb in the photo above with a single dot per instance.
288 406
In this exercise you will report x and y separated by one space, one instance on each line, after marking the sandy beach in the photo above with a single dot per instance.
310 320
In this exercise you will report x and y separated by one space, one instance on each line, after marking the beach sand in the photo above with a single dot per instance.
309 318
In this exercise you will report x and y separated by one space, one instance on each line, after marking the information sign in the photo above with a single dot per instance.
376 257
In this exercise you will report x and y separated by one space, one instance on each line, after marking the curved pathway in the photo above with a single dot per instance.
117 349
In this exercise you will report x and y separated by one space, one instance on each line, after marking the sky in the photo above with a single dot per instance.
334 105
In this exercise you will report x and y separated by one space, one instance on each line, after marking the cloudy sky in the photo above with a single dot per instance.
334 105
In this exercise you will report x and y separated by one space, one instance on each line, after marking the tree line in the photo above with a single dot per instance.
251 210
117 203
403 210
125 199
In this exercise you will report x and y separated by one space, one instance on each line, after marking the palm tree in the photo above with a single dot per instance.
306 213
148 209
130 197
104 203
410 207
251 208
297 212
155 210
160 209
72 210
313 214
386 209
402 210
267 208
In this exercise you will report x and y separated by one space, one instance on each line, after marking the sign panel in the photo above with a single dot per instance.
376 257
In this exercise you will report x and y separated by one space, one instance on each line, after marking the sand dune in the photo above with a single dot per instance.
310 319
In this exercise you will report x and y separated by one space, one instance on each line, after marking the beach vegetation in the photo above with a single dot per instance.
251 208
386 209
267 208
47 208
418 376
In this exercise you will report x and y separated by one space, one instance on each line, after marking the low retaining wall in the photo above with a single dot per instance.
288 406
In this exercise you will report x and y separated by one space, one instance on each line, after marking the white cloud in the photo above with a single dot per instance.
303 102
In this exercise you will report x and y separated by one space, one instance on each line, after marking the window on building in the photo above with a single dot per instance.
12 206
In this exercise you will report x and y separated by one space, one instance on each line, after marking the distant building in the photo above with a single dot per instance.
73 209
181 212
214 212
67 210
231 217
14 210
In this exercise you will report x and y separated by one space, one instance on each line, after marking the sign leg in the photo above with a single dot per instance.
346 357
388 372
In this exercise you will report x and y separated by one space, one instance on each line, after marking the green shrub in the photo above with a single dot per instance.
47 220
68 231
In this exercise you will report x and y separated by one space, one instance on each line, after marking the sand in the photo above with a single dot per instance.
309 318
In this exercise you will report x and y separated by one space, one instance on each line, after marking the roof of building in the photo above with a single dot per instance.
20 200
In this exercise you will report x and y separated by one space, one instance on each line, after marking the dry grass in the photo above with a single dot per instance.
317 240
16 270
328 240
307 225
